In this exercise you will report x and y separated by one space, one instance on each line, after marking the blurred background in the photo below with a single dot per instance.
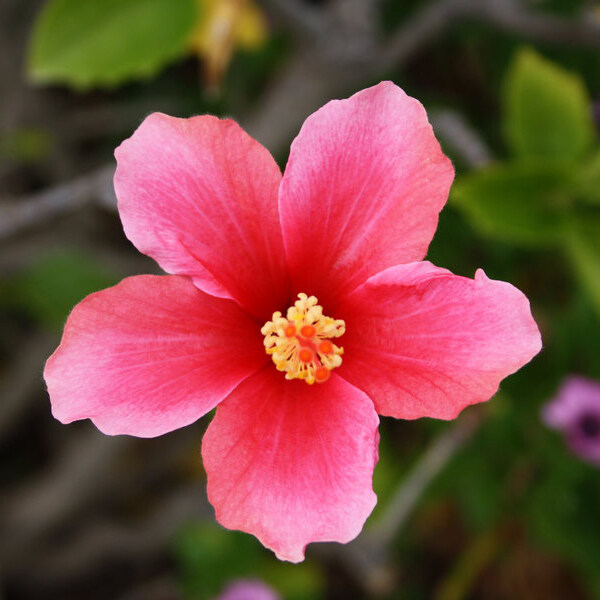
493 506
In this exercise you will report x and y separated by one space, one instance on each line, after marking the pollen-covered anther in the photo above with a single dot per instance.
300 343
306 355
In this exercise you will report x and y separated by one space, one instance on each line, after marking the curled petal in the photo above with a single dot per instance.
292 463
423 342
150 355
362 190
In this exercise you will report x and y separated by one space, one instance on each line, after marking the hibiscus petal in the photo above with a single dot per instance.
423 342
292 463
362 190
199 196
150 355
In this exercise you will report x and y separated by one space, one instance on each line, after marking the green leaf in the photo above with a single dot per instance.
51 287
583 246
548 110
523 203
88 43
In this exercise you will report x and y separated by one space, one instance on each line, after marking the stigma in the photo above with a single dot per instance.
300 344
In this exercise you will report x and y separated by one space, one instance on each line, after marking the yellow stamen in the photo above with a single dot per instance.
300 344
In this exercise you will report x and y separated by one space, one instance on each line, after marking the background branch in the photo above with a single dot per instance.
433 460
301 18
343 54
367 559
43 207
514 17
462 140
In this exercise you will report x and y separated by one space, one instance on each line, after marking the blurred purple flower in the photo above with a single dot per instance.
248 589
575 410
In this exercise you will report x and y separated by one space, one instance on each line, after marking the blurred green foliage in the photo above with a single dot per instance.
26 145
522 202
547 110
587 185
535 219
547 193
51 286
521 476
582 242
546 196
107 42
562 509
211 556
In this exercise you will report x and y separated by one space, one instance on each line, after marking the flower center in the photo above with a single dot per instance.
300 344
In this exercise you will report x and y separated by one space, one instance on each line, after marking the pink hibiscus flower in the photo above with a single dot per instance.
347 224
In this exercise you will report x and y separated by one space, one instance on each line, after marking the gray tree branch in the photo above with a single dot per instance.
513 16
368 558
461 139
55 201
342 56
